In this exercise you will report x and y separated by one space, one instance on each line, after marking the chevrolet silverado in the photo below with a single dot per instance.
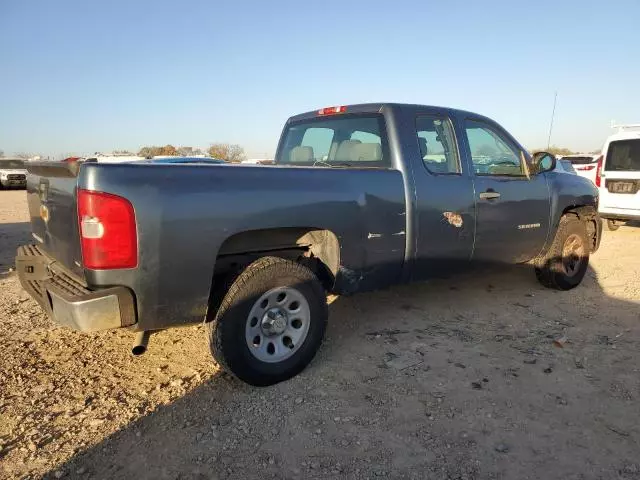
360 197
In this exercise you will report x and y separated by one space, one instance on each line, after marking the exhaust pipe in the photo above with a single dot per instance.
140 345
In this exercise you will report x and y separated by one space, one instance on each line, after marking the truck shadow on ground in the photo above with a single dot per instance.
422 380
12 235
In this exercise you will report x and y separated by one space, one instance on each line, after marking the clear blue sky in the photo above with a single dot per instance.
82 76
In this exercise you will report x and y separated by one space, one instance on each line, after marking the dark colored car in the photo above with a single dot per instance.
361 197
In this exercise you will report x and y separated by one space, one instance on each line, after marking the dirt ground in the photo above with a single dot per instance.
451 379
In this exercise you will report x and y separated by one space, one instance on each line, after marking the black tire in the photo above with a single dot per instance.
226 332
559 270
613 225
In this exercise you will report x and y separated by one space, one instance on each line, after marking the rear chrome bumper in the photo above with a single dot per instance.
622 218
66 300
620 213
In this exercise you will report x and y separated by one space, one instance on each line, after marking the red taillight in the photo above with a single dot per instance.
332 110
599 172
587 168
107 231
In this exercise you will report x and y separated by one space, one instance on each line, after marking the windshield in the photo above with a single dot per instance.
11 164
344 141
623 155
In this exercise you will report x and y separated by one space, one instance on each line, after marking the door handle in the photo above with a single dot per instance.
489 195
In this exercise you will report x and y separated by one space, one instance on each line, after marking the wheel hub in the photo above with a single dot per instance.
277 324
573 254
274 322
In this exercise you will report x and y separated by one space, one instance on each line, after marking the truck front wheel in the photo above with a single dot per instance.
270 323
565 264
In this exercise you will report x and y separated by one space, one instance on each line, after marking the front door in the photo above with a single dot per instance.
445 203
512 208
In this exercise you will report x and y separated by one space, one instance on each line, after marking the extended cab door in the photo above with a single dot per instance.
444 196
512 209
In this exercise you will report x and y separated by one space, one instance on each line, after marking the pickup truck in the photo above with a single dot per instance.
360 197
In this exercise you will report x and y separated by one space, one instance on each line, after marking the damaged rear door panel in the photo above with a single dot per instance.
445 209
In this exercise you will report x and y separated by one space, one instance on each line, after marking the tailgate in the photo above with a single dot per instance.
51 196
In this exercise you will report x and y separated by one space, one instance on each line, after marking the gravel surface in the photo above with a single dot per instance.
451 379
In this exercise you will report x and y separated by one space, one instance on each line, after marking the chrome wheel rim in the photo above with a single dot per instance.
573 253
278 324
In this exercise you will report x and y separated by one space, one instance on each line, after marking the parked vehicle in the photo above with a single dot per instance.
361 197
585 164
183 160
12 173
258 161
618 177
112 158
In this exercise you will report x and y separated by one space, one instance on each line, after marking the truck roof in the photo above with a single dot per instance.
379 107
624 135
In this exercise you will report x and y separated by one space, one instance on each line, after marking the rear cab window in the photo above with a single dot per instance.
356 141
623 156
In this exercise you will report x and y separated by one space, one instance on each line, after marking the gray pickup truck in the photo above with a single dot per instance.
360 197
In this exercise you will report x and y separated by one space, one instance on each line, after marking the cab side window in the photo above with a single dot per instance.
437 144
491 152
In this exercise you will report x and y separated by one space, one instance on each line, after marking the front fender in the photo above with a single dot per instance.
576 195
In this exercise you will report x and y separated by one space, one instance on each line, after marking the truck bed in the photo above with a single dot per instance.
187 214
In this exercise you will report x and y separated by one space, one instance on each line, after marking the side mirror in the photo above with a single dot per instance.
543 162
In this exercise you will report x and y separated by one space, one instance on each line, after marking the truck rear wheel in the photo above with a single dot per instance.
270 323
567 260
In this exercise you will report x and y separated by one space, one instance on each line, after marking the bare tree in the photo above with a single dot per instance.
486 150
555 150
1 153
146 152
185 151
23 155
228 153
167 150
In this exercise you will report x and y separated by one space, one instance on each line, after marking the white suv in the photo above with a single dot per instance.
618 177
